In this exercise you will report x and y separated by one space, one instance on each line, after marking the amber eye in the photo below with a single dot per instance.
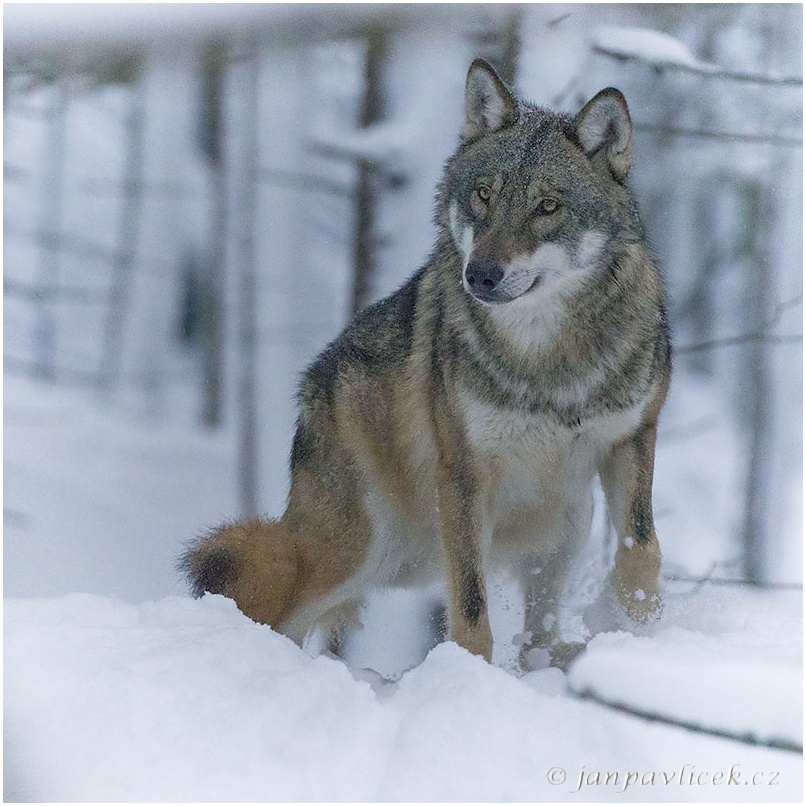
484 192
547 206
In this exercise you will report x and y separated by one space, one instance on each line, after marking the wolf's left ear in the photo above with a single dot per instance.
604 129
489 105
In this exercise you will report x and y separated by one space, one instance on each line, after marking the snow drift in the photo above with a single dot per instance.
182 700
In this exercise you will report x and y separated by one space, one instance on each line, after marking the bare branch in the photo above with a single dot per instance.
733 137
271 176
742 738
78 377
711 580
74 244
735 341
708 578
68 376
752 338
781 307
85 249
108 187
77 294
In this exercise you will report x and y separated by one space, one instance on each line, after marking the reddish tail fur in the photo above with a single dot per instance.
255 562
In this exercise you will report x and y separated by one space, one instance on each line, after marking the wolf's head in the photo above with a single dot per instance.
534 200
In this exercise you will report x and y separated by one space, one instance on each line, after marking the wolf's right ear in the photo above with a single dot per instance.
489 105
604 129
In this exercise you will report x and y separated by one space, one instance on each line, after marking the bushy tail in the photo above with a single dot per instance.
254 562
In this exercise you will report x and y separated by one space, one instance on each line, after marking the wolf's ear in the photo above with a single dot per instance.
489 105
604 129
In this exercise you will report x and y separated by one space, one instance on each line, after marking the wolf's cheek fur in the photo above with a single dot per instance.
461 231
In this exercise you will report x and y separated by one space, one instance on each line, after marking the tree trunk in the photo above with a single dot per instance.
364 253
245 96
758 384
211 135
54 155
501 46
124 263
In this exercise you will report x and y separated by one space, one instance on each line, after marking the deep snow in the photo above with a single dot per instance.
181 700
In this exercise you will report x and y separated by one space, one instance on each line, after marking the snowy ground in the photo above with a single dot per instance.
171 699
179 700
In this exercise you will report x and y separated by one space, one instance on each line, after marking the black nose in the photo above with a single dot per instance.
483 275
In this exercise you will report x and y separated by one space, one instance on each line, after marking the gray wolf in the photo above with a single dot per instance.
459 424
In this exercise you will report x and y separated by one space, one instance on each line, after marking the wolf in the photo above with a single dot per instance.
458 425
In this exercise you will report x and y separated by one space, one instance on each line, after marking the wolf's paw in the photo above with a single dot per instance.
558 656
564 653
642 607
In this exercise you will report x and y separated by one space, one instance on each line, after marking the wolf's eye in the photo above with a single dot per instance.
484 192
547 206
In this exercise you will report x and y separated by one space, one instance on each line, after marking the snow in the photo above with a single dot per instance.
123 694
121 495
744 680
181 700
656 47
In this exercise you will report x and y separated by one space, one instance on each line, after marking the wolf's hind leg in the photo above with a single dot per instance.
339 623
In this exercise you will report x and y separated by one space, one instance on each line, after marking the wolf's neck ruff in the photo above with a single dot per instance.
572 357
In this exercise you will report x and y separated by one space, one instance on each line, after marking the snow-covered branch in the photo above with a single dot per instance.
663 52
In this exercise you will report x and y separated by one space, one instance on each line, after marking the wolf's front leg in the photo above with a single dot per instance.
468 621
627 480
542 580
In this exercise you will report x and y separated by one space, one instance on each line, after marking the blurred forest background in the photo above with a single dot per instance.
197 197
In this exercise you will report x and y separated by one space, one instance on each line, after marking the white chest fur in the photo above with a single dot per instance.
536 463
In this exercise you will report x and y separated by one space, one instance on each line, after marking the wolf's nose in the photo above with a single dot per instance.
483 275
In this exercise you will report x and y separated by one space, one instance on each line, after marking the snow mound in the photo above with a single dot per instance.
694 680
182 700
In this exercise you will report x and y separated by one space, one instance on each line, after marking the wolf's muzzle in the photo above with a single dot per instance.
482 278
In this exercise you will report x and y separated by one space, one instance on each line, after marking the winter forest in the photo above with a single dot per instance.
197 198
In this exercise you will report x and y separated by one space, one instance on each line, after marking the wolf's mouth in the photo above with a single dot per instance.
535 283
503 293
496 297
